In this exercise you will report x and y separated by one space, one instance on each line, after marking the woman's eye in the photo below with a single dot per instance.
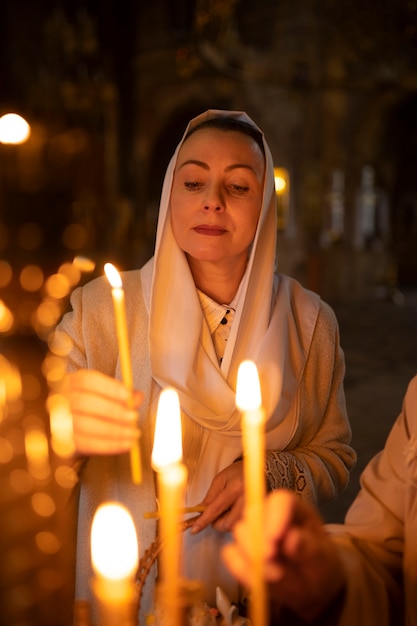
239 188
192 185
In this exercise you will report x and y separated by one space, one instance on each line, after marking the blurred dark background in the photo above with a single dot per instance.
108 88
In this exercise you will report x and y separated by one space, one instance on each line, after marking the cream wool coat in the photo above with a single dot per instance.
315 460
378 541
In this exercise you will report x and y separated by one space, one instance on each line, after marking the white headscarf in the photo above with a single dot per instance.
181 348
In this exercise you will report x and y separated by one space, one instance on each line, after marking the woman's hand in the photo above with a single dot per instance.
224 500
104 413
301 563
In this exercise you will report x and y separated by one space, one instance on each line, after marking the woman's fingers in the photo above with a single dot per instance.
104 413
224 500
93 382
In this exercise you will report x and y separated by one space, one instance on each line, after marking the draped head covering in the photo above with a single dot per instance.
181 348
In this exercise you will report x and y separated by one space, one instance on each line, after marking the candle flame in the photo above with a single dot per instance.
113 276
248 388
114 543
167 447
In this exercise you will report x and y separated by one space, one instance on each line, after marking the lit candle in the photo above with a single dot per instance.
114 554
118 296
249 401
172 479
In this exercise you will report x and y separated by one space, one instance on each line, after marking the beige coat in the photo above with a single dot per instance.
379 539
315 461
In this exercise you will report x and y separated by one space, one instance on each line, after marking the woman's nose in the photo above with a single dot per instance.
213 200
216 206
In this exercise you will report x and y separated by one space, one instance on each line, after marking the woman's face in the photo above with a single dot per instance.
216 195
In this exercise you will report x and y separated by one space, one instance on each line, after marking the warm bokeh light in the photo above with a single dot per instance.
6 318
53 368
71 272
57 286
280 184
114 544
48 313
47 542
11 381
66 476
74 236
31 278
37 453
248 388
60 419
43 504
6 273
167 447
84 264
14 129
281 177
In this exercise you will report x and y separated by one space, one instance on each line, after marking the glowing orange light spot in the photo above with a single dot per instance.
6 318
47 542
71 272
48 313
66 477
74 236
84 264
43 504
6 273
57 286
37 453
11 387
53 368
31 278
60 419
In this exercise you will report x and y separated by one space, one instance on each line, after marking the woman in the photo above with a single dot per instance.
207 300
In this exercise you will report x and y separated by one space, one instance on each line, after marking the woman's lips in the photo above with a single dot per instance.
205 229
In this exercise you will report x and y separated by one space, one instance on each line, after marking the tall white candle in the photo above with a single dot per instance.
172 479
118 296
249 401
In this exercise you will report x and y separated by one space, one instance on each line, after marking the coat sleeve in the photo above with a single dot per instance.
91 329
373 540
318 460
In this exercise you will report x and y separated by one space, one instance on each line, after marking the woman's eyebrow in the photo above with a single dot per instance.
205 166
195 162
